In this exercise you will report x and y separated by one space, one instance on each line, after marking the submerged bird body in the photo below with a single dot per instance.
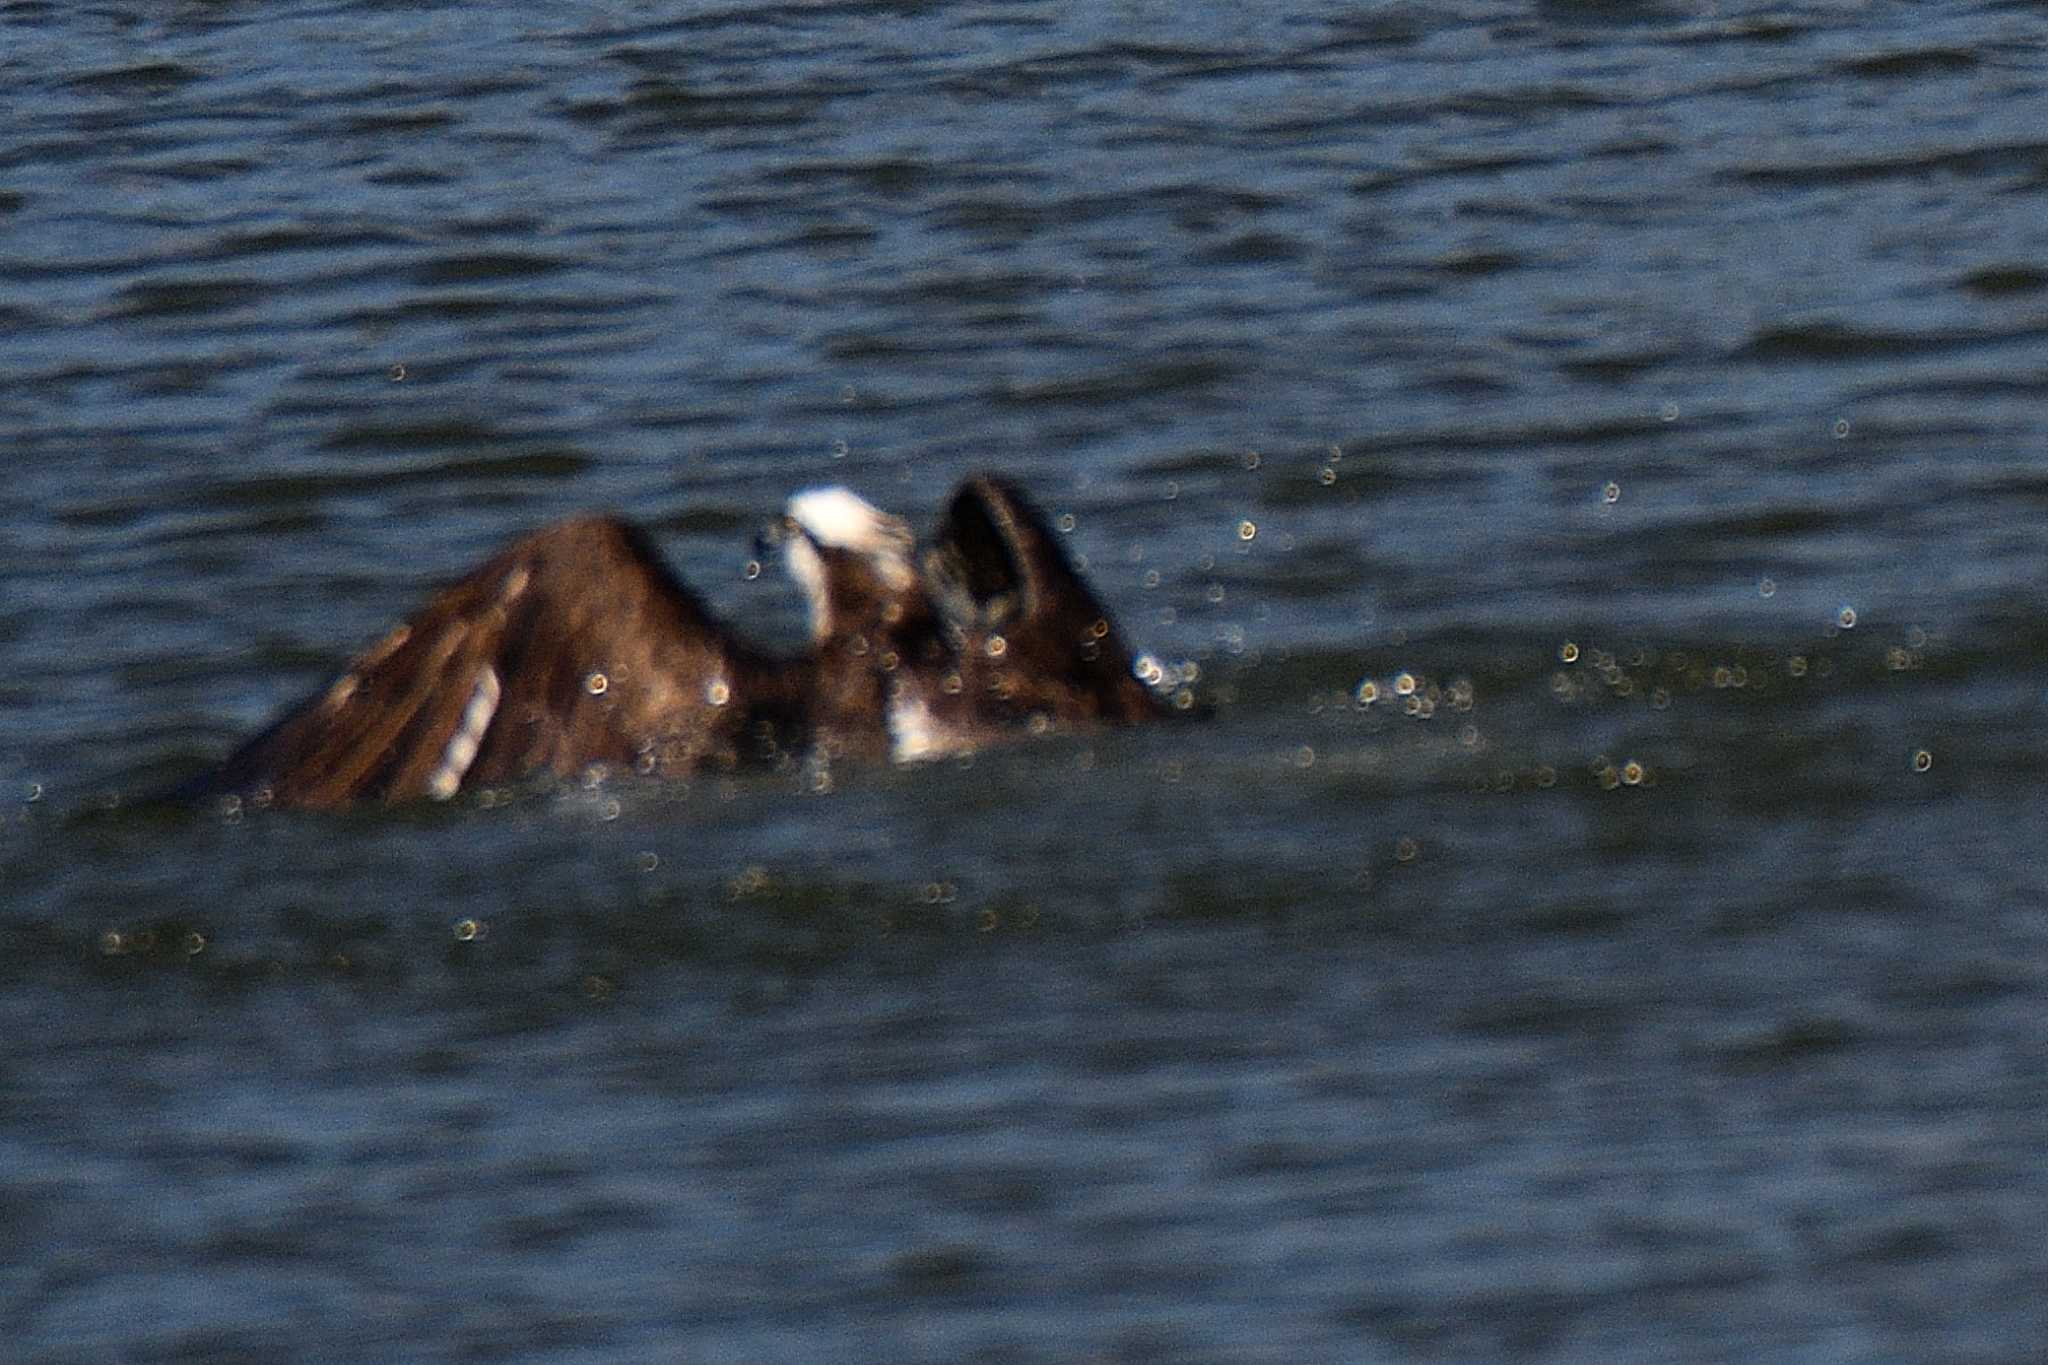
576 647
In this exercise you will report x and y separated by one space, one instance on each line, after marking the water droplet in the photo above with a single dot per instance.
1246 530
840 449
1846 617
1765 587
752 571
1065 523
1922 760
1668 413
718 692
1251 459
397 374
1367 692
1611 494
1568 652
1633 773
1841 427
1404 684
1151 579
596 684
469 930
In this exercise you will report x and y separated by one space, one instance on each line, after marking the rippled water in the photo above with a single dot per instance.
1595 453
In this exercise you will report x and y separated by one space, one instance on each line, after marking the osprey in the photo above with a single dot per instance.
576 647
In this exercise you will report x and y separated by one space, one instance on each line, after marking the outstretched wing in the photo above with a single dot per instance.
1030 631
574 646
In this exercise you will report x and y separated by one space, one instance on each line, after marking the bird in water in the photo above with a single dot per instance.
576 648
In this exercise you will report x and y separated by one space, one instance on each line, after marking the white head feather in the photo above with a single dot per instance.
841 519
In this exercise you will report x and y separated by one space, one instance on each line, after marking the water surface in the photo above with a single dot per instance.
1594 454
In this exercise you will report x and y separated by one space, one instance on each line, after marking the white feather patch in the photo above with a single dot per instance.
913 734
840 517
844 520
808 569
468 737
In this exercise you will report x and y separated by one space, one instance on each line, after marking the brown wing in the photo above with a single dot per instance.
574 646
1031 632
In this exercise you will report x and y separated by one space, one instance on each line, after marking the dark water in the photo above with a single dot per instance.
1646 401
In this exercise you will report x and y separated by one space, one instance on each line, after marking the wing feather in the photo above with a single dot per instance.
1031 632
574 646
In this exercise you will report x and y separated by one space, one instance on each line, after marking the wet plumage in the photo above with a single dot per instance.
576 646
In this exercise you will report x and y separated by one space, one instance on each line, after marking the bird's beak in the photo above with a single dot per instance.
773 536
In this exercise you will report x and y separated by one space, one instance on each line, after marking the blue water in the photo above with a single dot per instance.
1594 453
